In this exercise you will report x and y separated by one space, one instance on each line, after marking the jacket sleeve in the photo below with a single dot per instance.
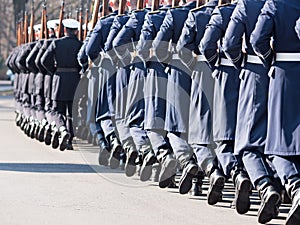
163 37
297 28
122 44
48 59
186 43
262 33
30 60
209 43
94 44
233 39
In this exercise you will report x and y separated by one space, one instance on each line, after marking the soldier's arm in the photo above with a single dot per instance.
209 43
117 25
21 59
30 60
94 45
233 39
297 28
47 59
122 43
262 33
186 43
39 56
163 37
146 38
82 56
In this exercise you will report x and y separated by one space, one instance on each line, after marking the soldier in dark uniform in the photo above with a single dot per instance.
200 123
252 107
124 45
10 62
154 92
120 98
105 86
45 127
60 59
277 21
178 92
27 86
226 93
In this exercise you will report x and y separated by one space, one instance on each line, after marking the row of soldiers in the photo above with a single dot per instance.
210 89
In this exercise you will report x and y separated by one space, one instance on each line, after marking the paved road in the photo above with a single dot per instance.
5 86
44 186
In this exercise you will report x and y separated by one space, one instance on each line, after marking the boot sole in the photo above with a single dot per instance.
103 157
146 170
64 143
214 194
166 174
48 138
55 142
114 160
186 180
242 197
268 210
294 216
130 166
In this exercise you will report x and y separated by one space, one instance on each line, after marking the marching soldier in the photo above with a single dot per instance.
105 85
178 92
121 81
252 109
134 113
154 90
283 129
60 59
226 93
200 123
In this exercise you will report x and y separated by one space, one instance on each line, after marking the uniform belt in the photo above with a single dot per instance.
225 62
66 70
176 57
286 57
200 58
253 59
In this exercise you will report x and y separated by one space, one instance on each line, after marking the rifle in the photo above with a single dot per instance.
201 2
95 13
61 17
105 8
31 30
80 35
140 4
86 23
155 5
222 2
175 3
25 27
46 31
122 7
19 33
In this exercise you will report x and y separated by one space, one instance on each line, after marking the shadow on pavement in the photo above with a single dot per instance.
52 168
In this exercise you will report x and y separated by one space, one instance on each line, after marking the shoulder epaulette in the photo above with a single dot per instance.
119 15
227 4
175 7
154 12
138 10
196 9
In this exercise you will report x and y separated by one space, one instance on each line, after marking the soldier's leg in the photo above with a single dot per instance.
262 177
59 119
184 154
41 118
288 169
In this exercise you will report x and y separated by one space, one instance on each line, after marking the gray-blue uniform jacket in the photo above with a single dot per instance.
277 20
226 90
297 28
200 122
179 80
156 79
124 44
60 59
251 128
